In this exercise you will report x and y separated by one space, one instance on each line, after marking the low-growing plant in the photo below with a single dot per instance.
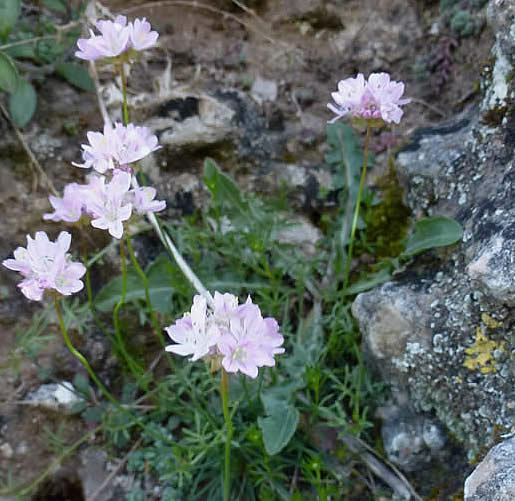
250 419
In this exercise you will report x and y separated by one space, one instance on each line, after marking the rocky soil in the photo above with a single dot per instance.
249 87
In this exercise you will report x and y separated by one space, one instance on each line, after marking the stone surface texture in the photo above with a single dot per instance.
494 477
442 333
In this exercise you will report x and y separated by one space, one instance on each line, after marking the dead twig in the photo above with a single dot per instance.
35 166
115 472
60 30
381 467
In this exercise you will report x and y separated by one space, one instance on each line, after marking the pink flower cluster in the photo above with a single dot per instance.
115 38
109 204
46 265
117 147
235 334
379 98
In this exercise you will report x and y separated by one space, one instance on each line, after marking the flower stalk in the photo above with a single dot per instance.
224 390
131 363
79 356
356 209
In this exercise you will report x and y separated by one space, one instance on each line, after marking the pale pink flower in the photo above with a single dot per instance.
67 275
141 37
112 41
246 345
46 265
134 143
69 208
224 306
100 151
379 98
105 203
194 334
235 334
117 147
142 199
116 37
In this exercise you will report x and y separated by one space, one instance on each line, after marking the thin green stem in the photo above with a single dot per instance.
224 390
100 325
94 377
124 92
120 343
144 279
152 313
82 359
356 210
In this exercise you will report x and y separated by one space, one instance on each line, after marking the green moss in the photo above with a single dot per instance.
388 222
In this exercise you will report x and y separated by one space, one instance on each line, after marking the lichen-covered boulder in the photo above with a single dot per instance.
494 477
442 334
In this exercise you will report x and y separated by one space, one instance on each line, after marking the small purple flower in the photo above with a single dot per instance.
378 99
134 143
143 202
46 265
69 208
112 41
100 150
250 342
116 37
194 334
224 307
237 336
117 147
106 203
141 37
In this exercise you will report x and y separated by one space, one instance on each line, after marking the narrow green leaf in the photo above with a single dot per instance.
433 232
346 155
55 5
8 74
370 281
223 189
278 428
9 13
25 51
22 103
76 75
160 284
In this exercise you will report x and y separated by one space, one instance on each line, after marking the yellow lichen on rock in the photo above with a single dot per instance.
480 354
490 322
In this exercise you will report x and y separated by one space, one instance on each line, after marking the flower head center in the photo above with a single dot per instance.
239 354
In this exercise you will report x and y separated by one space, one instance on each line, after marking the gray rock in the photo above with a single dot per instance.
301 233
493 270
54 396
192 121
92 472
393 319
443 337
264 90
494 477
6 450
411 440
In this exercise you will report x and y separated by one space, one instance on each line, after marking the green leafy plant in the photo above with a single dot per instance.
33 46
